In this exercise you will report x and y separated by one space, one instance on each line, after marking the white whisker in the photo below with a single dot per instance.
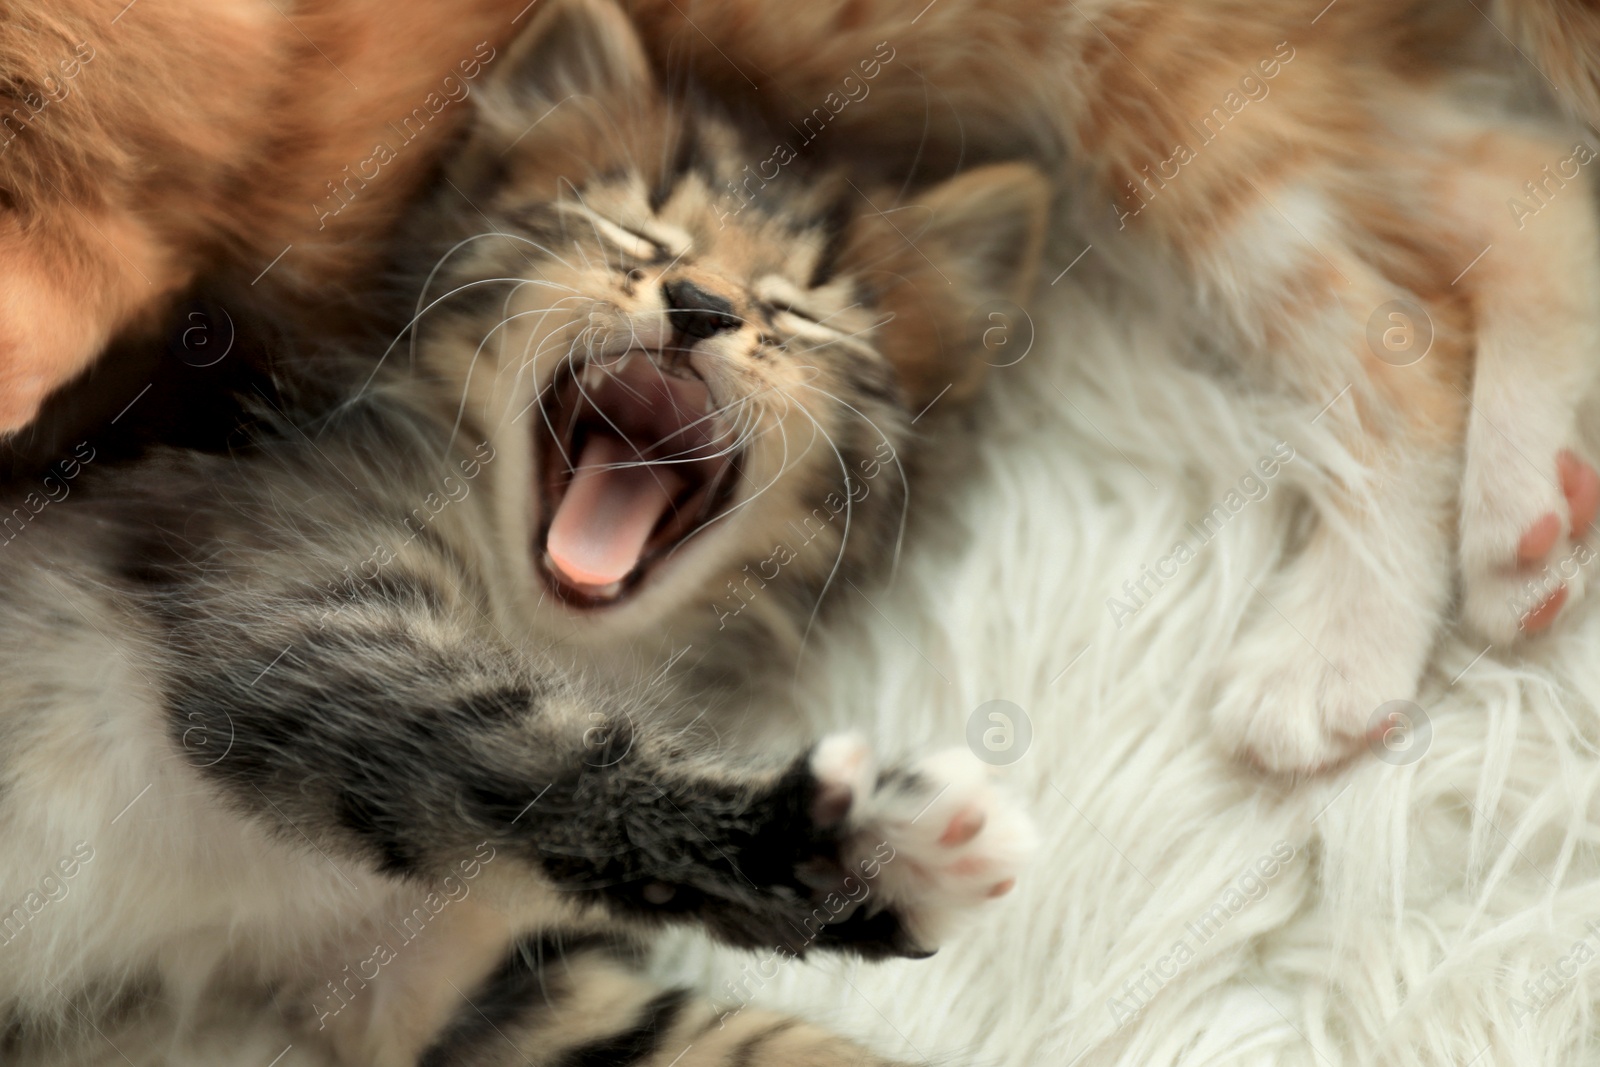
844 536
410 326
472 364
905 487
784 466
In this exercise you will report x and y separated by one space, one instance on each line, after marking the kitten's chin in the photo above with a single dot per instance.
635 460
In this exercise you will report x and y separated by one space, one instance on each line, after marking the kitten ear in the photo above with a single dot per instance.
985 230
964 244
578 47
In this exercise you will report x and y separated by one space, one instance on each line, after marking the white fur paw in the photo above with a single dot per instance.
1523 549
933 840
1293 707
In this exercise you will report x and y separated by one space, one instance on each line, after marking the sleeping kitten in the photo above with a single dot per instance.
1347 200
314 718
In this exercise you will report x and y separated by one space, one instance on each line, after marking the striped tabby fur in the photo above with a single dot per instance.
320 719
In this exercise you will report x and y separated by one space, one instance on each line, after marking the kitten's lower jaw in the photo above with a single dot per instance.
635 460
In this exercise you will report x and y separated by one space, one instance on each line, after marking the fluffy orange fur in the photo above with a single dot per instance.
143 143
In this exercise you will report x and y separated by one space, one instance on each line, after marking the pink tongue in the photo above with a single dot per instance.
605 519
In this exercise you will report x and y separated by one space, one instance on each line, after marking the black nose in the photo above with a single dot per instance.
695 312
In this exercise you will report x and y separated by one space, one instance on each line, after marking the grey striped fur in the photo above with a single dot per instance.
311 708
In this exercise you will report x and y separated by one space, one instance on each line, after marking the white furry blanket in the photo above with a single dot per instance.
1437 910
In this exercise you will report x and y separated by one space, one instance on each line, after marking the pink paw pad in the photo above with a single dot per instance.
1539 540
963 828
1580 484
1540 618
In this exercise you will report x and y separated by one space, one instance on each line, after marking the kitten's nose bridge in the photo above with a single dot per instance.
695 311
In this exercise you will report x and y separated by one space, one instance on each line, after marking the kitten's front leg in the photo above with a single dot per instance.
828 852
1527 499
1345 626
400 737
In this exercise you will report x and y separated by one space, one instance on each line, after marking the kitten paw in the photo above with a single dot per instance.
932 841
1301 698
1523 549
1294 718
833 854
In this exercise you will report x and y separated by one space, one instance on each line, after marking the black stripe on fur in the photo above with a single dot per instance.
530 980
637 1042
745 1051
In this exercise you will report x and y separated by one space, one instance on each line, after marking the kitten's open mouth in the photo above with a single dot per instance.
635 461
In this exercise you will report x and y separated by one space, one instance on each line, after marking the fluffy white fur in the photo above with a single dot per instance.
1418 899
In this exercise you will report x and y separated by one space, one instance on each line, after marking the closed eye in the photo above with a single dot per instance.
785 300
799 313
630 242
797 322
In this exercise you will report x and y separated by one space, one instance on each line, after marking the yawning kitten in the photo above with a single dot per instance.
314 717
707 380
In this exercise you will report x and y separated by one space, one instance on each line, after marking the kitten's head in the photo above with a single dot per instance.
696 356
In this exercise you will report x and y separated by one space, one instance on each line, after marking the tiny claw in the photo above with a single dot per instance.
1000 889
